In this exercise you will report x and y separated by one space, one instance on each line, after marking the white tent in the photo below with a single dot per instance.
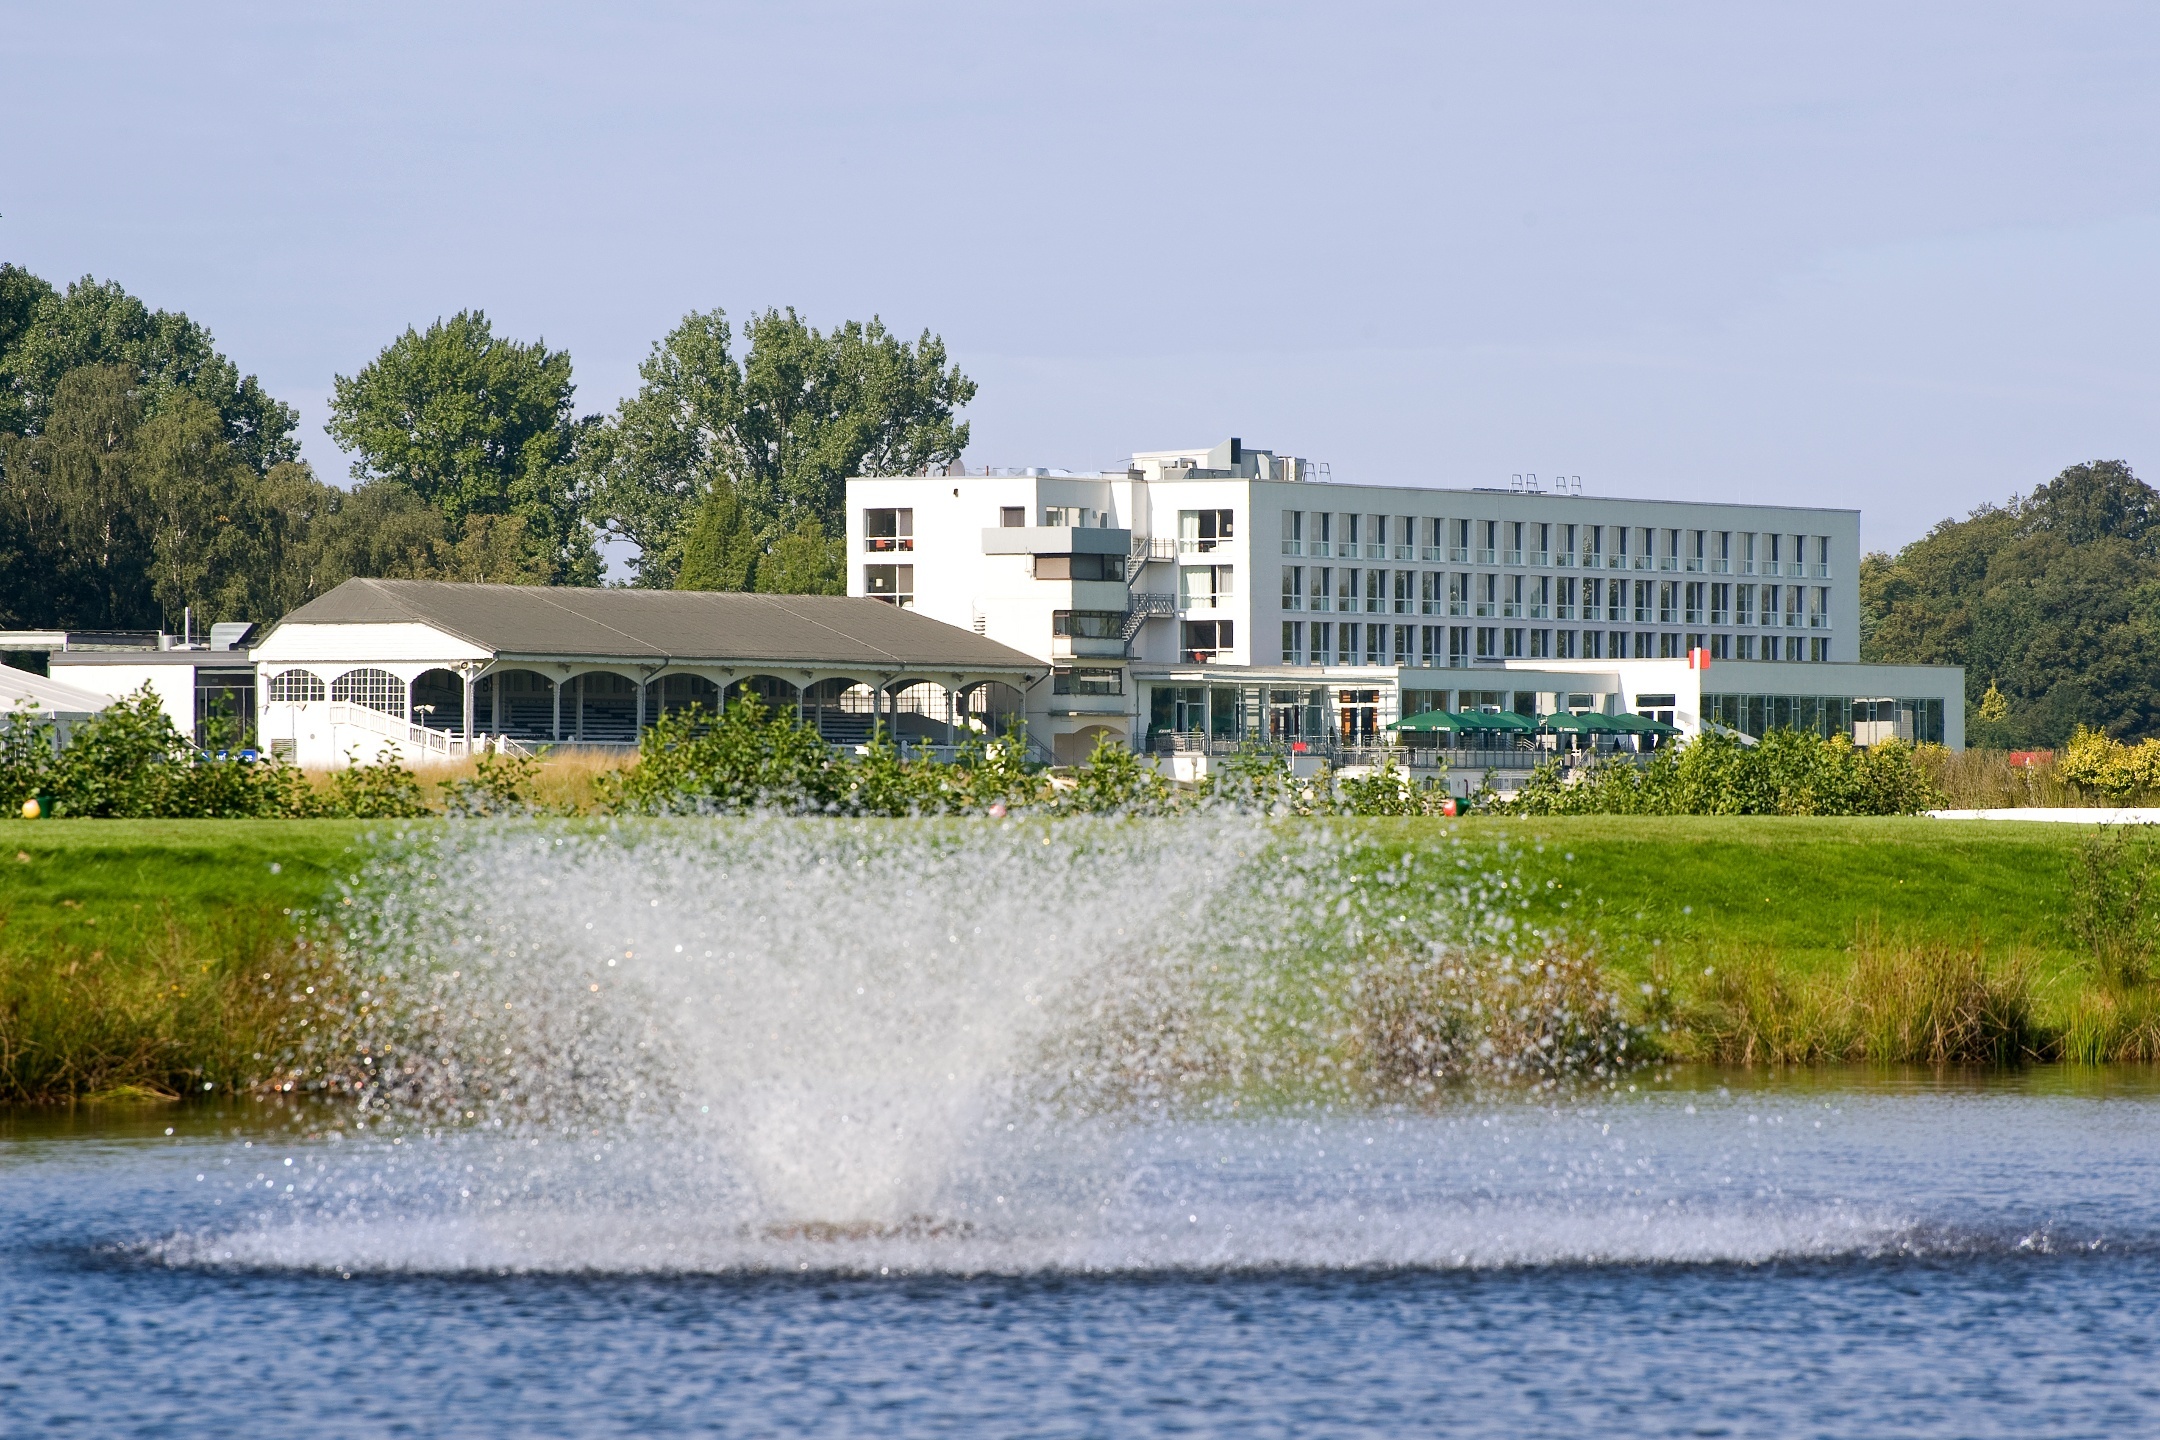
24 693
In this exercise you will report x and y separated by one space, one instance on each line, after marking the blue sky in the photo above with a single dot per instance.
1895 257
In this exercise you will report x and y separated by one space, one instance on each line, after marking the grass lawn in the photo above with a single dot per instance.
1797 888
70 880
157 953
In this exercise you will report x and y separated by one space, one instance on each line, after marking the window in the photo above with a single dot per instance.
1293 532
1670 560
1743 604
1513 643
895 584
1743 647
1564 545
1088 624
1346 591
1488 595
371 689
1692 602
1541 644
1488 541
1458 646
1511 596
1204 587
1405 592
1360 712
1821 568
1695 551
1721 647
1721 553
888 529
1593 547
1068 517
1346 537
1721 604
1769 595
1432 593
1293 642
1818 613
1619 559
1459 545
1458 594
1075 567
1655 707
1202 640
1747 552
1323 638
1376 592
1564 597
1541 597
1488 642
1432 647
1564 645
1376 537
1818 649
1200 531
1643 556
1405 538
1792 608
1323 587
1514 542
1012 517
1086 680
296 687
1435 545
1323 533
1796 566
1293 587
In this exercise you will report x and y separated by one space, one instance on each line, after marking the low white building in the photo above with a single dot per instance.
425 670
1201 598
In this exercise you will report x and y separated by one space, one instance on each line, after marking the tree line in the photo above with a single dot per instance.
143 475
2051 602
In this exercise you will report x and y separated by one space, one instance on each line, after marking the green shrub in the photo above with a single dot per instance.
1787 772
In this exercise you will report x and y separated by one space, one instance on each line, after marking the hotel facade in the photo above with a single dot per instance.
1204 598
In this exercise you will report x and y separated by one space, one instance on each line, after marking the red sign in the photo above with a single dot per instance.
1698 659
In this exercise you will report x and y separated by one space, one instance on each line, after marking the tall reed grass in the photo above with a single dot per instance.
1986 780
1925 1003
165 1011
562 781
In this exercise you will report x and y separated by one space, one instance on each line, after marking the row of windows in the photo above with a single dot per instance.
1348 642
1324 534
1867 721
375 689
1548 597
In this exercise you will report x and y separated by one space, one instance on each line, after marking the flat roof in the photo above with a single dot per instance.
665 626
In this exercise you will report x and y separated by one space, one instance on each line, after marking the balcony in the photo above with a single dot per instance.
1056 540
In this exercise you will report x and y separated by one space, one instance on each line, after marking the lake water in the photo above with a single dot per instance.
1707 1255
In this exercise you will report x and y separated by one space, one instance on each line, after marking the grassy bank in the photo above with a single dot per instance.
157 957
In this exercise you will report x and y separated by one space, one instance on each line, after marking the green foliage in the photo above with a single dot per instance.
2114 911
721 552
2052 601
46 335
804 561
786 426
502 785
1789 772
1114 781
744 759
2107 768
475 426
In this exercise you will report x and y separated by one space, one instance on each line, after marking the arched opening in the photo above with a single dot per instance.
1075 748
671 693
779 697
516 703
438 700
372 690
921 712
600 707
992 705
297 687
840 710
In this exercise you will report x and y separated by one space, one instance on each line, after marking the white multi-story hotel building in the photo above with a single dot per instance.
1202 597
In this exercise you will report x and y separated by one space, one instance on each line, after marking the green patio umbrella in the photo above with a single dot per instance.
1427 720
1643 725
1494 720
1584 724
